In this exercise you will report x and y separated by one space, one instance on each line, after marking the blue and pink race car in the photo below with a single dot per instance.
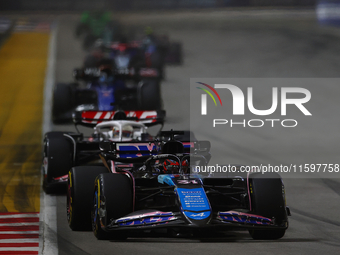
159 187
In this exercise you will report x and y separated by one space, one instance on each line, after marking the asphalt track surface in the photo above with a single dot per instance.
242 45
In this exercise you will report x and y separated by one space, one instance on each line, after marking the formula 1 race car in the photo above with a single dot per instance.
156 50
98 29
148 53
111 86
167 192
63 150
96 25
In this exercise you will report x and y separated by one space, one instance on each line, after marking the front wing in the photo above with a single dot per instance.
159 219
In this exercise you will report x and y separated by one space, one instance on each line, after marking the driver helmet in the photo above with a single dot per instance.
127 132
105 73
148 30
171 166
103 77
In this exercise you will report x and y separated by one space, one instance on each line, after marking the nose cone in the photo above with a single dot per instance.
200 219
195 206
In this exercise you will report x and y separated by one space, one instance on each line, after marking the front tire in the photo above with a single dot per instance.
112 199
57 159
268 200
79 195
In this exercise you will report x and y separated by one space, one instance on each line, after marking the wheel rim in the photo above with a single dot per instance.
69 201
69 204
94 211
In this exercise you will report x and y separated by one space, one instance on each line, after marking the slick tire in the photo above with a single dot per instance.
89 41
150 95
175 54
81 30
112 199
268 200
62 103
79 195
57 159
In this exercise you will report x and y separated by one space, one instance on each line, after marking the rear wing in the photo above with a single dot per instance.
129 150
94 73
92 118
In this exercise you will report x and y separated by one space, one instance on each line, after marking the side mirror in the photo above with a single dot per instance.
78 74
105 146
204 146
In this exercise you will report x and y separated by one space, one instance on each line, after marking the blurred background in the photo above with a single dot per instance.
79 5
220 39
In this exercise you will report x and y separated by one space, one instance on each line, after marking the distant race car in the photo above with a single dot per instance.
151 52
132 53
63 150
166 191
118 83
98 27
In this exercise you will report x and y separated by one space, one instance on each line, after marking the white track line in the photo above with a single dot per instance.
20 232
20 240
20 224
48 204
19 248
33 215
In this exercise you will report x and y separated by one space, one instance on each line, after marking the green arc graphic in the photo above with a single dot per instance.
209 94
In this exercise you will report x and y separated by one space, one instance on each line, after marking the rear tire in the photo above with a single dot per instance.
81 30
175 54
57 159
112 199
79 195
62 103
150 96
89 41
268 200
